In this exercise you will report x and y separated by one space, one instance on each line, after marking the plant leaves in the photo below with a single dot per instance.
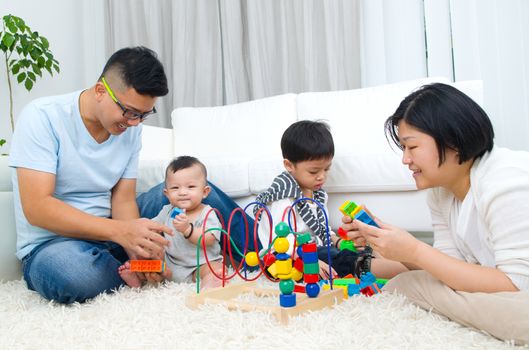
21 77
15 68
32 76
28 84
8 39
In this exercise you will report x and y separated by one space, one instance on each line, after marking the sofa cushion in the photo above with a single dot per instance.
246 129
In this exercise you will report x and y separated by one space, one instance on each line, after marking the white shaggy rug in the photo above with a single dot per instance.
157 318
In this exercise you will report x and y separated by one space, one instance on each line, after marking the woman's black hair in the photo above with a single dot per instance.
452 118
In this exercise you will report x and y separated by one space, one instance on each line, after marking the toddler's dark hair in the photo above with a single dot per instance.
307 140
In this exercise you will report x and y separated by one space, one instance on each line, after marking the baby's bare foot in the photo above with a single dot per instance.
210 281
131 278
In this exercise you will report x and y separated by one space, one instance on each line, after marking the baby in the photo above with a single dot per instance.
185 187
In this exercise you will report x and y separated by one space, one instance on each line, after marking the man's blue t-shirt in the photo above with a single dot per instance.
50 136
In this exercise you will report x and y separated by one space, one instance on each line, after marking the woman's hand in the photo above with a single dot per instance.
352 231
391 242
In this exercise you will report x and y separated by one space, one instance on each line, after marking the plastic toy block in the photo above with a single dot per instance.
343 288
353 289
312 290
298 288
269 259
347 245
310 258
176 211
303 238
350 208
282 229
287 300
283 267
345 281
299 251
282 257
251 259
311 278
272 270
309 248
313 268
281 245
147 265
297 275
342 233
298 264
286 286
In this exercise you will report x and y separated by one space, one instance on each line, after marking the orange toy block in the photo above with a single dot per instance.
147 265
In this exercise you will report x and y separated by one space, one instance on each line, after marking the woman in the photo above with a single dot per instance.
477 272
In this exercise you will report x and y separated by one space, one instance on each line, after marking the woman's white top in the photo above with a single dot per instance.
490 226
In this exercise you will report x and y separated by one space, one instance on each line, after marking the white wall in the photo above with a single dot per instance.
75 30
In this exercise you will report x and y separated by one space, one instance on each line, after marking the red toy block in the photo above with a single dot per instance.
298 288
342 233
269 259
311 278
309 248
298 264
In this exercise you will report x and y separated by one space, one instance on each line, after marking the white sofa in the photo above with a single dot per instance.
240 145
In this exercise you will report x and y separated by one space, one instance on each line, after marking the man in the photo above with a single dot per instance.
75 160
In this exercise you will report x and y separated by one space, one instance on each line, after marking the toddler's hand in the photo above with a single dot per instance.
181 223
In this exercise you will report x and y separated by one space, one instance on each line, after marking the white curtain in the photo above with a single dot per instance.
227 51
460 40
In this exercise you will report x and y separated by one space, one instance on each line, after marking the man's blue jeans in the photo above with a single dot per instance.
70 270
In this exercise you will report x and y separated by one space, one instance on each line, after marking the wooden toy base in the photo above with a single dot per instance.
225 296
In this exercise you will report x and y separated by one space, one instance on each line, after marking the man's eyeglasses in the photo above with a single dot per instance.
127 113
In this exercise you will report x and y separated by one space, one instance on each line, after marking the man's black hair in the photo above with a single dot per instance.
139 68
307 140
452 118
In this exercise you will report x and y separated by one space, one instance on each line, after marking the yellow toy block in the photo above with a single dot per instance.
284 267
344 288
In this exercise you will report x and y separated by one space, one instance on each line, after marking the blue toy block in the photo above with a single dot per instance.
282 256
310 258
299 251
287 300
176 211
353 289
365 218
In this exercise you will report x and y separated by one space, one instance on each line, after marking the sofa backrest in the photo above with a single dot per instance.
245 129
240 143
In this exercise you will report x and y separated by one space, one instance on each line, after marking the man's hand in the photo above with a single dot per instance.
143 237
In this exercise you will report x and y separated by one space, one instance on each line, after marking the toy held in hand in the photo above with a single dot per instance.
176 211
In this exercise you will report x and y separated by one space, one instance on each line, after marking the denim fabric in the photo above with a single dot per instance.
150 203
72 270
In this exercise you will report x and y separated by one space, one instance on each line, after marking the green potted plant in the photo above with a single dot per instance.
26 55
